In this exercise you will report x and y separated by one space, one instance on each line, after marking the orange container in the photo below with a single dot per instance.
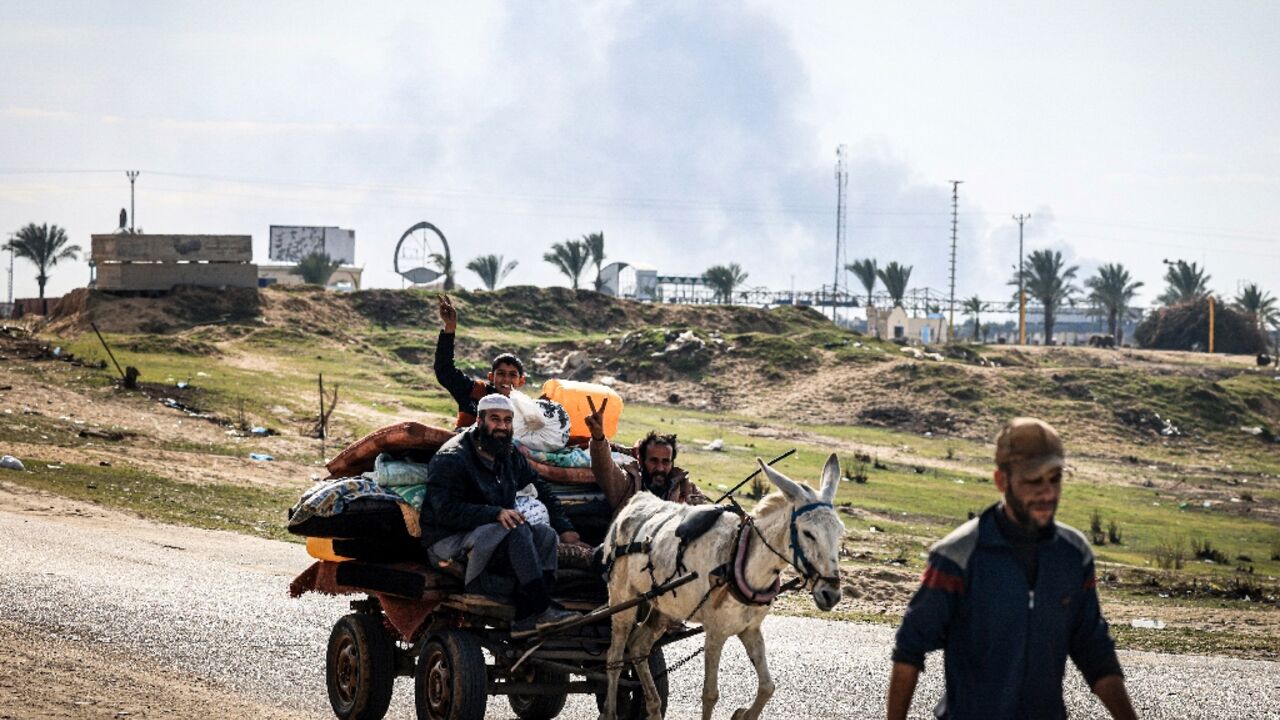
322 549
573 396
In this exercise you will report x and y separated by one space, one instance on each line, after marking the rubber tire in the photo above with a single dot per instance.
631 707
360 667
541 707
451 681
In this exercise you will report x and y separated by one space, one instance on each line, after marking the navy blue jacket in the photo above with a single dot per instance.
464 493
1006 643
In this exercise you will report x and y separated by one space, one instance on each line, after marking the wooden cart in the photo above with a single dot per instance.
415 621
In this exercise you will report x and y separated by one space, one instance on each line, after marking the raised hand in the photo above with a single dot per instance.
448 313
595 421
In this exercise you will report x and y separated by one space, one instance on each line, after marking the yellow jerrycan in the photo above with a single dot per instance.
573 396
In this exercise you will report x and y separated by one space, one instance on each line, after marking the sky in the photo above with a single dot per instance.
690 134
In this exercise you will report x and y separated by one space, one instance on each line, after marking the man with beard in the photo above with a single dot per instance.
1009 596
470 513
505 374
655 472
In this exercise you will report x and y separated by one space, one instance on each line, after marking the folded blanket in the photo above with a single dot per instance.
330 499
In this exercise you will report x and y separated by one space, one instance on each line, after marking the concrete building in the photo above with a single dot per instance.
894 324
287 244
629 280
137 262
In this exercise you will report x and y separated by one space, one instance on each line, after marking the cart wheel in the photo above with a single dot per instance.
541 707
360 667
451 681
631 700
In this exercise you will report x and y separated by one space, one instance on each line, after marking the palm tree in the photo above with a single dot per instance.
723 279
595 254
1185 282
316 268
895 278
1259 305
865 270
445 263
974 306
1048 281
1112 289
569 257
491 270
44 246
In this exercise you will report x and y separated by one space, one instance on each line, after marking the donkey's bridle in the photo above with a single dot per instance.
798 560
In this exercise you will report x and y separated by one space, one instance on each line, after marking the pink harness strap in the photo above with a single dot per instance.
745 591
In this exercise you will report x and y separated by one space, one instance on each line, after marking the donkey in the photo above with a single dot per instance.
738 561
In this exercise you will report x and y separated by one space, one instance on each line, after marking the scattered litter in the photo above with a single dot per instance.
183 385
315 477
259 431
1255 430
716 445
1147 623
10 462
104 463
53 467
57 352
202 373
928 433
261 457
1208 503
608 380
958 481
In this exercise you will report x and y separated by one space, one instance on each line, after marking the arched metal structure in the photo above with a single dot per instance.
421 275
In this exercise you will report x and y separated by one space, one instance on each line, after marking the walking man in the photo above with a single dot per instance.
1008 596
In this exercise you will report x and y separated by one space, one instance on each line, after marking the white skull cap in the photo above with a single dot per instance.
494 401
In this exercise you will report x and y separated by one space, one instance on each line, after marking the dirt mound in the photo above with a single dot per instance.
181 309
555 310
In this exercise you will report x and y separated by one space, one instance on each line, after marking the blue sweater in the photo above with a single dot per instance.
1006 642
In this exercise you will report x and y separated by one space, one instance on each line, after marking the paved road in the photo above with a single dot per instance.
213 607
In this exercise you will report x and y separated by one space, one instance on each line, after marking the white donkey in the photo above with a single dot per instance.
738 561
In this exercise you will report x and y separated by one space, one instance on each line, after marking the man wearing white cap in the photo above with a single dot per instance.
1009 596
470 512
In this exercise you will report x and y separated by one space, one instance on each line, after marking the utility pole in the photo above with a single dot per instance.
1022 293
955 207
133 221
842 187
10 271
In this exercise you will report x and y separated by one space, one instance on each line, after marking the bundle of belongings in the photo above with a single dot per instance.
369 507
551 434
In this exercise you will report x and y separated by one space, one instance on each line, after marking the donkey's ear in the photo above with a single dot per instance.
830 479
789 487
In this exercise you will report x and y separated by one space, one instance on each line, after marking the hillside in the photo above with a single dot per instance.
787 363
1175 450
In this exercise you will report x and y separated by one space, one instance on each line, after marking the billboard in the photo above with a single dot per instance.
291 243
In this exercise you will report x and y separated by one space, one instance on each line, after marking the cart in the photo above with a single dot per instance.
413 620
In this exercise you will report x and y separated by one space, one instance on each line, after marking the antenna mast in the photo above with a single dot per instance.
955 206
842 200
